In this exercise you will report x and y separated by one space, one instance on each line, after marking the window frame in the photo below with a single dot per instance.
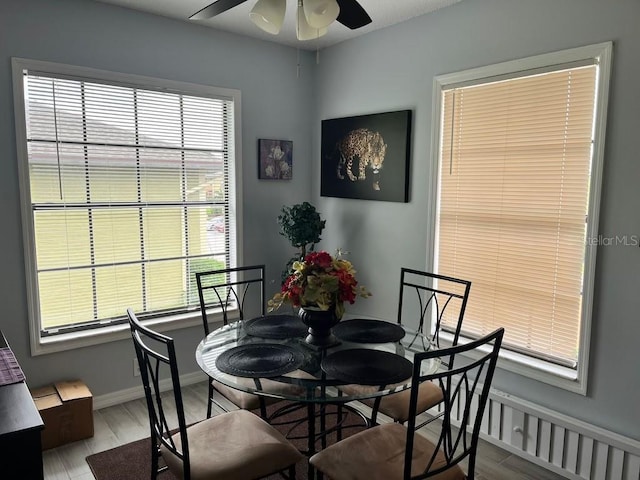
569 379
82 338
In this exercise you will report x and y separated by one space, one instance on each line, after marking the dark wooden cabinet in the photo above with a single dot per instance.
20 428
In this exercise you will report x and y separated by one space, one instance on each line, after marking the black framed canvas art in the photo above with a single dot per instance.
275 159
367 157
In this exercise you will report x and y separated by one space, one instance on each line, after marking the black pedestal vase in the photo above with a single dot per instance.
320 324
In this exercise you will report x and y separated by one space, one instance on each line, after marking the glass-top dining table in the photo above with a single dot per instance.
270 356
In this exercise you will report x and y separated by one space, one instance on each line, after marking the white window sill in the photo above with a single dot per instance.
547 372
112 333
536 369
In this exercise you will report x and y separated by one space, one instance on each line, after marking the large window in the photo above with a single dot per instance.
520 155
128 190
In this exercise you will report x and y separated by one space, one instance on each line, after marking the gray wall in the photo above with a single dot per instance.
275 104
393 69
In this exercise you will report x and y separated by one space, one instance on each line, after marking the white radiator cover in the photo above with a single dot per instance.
564 445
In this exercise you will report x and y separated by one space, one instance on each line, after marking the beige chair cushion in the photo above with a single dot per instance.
378 454
244 400
250 401
232 446
396 405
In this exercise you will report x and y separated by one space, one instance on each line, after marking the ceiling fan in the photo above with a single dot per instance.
316 14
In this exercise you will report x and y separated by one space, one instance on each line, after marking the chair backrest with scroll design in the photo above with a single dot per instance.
234 291
402 452
238 293
235 444
156 356
425 295
466 390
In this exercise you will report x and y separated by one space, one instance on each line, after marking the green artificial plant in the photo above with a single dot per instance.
302 225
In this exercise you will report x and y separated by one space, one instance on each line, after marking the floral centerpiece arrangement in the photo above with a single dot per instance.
322 282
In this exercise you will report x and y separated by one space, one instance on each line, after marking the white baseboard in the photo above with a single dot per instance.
122 396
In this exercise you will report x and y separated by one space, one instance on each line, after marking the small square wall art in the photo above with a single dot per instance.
275 159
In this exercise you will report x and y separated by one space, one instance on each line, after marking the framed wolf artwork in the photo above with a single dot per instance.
366 157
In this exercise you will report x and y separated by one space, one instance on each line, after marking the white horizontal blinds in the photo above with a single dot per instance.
124 182
515 166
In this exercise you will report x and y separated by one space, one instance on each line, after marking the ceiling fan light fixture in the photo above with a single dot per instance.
268 15
320 13
304 31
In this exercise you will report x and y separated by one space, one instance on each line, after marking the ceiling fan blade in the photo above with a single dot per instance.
215 8
352 14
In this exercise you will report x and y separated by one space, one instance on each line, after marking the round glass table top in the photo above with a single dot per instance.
291 369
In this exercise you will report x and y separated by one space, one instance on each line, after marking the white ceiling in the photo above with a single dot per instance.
382 12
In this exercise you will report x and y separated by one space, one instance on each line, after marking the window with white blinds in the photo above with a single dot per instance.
130 192
516 177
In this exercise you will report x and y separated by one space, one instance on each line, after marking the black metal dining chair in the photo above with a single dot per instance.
237 293
235 444
423 296
393 451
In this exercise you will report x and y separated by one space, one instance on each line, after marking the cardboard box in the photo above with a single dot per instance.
66 409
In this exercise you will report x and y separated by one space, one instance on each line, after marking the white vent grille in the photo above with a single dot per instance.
569 447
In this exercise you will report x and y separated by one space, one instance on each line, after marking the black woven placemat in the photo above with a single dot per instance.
367 367
259 360
275 327
361 330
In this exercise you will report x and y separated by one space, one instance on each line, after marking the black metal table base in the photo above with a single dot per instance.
315 412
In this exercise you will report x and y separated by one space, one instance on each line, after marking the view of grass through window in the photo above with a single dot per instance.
129 197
